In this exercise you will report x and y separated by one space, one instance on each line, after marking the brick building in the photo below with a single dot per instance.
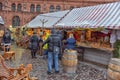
19 12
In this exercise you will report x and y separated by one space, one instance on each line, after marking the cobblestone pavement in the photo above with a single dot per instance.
19 51
85 71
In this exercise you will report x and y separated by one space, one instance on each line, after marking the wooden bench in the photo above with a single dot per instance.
20 73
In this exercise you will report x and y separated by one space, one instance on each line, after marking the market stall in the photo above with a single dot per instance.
44 22
93 28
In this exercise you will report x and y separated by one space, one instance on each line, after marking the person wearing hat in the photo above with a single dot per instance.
34 41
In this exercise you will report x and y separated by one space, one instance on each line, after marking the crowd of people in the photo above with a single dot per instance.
52 46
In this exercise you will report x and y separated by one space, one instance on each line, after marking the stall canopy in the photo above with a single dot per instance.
49 19
105 15
1 20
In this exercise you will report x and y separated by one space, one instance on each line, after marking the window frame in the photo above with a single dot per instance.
19 7
52 8
13 7
1 5
15 21
32 8
58 8
38 8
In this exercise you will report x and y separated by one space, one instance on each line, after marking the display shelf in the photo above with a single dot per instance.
86 45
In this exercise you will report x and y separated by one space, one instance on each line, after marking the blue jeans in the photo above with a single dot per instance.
53 56
45 52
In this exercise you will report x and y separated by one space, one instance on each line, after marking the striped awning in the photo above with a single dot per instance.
49 19
1 20
105 15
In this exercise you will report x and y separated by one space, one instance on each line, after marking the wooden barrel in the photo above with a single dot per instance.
69 61
113 72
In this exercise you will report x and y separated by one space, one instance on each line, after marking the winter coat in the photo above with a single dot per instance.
70 43
53 40
7 38
45 47
34 40
60 34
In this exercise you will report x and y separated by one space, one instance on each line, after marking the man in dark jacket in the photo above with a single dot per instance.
34 40
59 32
54 44
7 40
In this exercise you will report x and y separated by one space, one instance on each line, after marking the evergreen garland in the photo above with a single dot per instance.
117 49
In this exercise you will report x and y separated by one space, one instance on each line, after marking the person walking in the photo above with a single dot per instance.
7 40
54 44
34 41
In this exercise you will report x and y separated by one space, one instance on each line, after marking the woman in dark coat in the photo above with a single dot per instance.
70 42
34 41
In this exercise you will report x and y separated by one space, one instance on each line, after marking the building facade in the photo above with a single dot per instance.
19 12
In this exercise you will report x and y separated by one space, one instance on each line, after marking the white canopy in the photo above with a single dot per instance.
49 18
105 15
1 20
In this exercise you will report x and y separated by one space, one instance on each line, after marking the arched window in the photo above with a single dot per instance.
32 8
71 7
57 8
13 7
16 21
0 6
19 7
51 8
38 8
